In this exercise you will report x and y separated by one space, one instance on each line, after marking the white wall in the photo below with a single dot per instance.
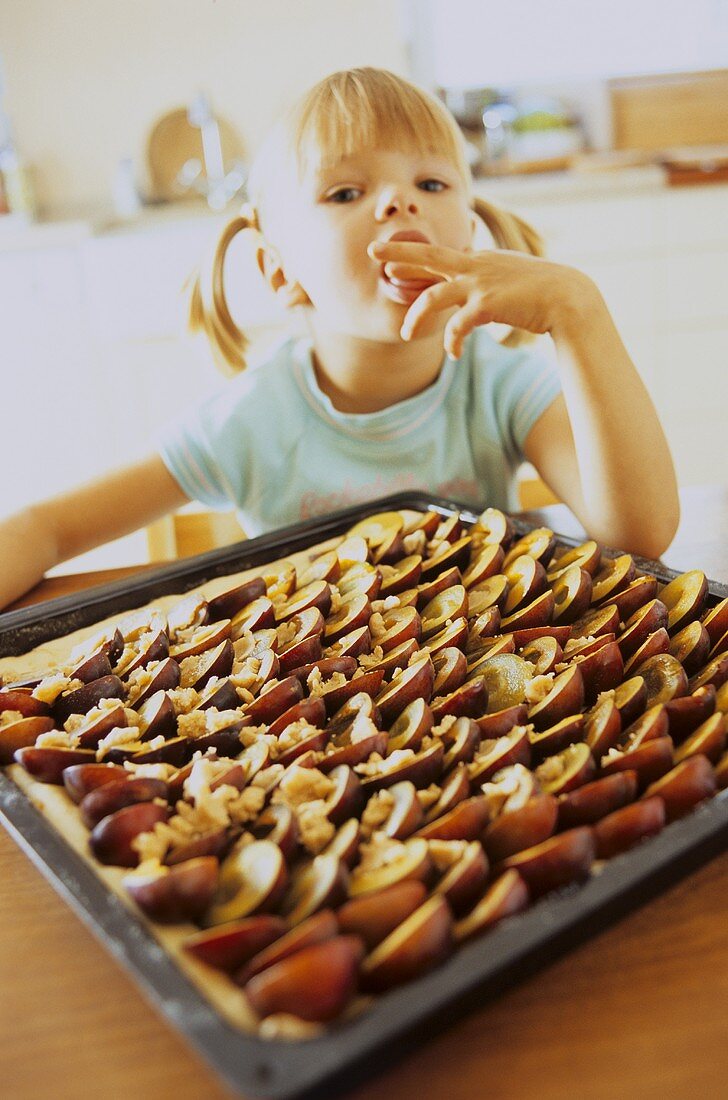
87 79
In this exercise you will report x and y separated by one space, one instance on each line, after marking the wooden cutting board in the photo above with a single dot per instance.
172 141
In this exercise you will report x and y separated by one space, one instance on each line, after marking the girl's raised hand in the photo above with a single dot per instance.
510 288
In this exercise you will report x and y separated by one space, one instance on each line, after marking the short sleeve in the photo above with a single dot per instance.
204 450
509 389
531 388
513 387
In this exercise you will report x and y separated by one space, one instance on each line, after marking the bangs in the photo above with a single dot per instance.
346 112
365 108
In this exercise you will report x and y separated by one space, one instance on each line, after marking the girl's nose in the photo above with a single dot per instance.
393 202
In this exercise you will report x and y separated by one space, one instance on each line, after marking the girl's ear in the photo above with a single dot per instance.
290 293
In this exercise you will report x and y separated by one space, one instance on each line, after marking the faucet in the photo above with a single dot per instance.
214 183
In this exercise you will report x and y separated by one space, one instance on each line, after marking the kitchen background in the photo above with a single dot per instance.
604 123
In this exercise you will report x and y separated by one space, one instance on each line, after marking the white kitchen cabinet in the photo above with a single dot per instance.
96 358
660 258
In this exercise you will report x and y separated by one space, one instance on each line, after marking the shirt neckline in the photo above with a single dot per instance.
388 424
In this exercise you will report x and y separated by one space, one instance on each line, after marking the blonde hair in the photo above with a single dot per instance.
346 111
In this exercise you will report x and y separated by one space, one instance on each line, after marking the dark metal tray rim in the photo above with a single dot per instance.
396 1020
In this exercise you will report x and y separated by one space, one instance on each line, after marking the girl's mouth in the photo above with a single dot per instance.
404 291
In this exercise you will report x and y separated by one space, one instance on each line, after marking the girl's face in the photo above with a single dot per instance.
372 195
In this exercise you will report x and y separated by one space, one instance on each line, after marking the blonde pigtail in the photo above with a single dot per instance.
510 231
208 310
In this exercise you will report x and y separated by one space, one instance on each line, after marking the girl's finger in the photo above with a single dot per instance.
435 258
462 323
410 271
432 300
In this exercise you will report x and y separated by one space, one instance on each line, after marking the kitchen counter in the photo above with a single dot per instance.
637 1010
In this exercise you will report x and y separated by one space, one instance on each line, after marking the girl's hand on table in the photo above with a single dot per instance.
509 288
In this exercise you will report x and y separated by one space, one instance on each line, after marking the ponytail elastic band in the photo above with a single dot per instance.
250 215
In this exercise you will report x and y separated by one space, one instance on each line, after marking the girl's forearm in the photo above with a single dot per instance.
628 485
27 549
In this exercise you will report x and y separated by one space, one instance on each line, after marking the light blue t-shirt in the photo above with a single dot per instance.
271 444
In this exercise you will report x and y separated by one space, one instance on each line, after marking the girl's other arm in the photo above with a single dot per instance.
600 447
45 534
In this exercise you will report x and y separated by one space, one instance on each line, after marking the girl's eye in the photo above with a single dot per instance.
432 185
344 194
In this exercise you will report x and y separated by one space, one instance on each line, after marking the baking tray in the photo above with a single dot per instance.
396 1021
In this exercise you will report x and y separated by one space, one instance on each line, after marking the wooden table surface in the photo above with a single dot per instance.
638 1011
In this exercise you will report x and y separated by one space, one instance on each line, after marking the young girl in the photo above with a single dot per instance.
363 220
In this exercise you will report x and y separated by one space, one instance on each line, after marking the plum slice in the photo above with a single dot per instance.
315 984
540 543
684 597
506 896
174 894
556 862
622 829
686 785
420 942
21 734
252 880
374 916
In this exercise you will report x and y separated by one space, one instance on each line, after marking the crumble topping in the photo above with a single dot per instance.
56 739
389 602
301 785
8 717
447 722
280 585
150 771
139 680
294 733
428 796
316 831
76 722
376 812
286 634
551 769
51 686
375 765
268 778
205 770
125 737
538 688
134 649
506 790
200 722
415 542
445 853
376 625
318 686
243 645
256 735
361 728
378 852
367 660
191 668
184 699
